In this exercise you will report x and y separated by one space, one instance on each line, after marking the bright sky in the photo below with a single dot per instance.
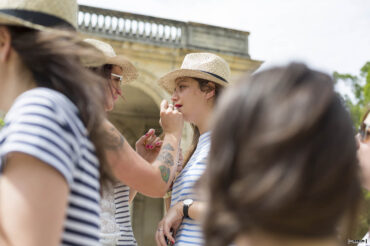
330 35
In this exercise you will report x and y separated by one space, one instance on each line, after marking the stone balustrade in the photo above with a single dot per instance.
124 26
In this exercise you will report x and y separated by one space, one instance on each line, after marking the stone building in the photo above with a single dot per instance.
157 46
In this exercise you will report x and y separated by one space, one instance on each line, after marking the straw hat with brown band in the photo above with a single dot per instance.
45 15
39 14
198 65
129 71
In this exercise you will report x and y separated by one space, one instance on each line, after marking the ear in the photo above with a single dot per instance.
5 44
212 90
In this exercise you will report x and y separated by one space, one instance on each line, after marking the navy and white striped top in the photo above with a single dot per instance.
116 229
45 124
122 215
190 232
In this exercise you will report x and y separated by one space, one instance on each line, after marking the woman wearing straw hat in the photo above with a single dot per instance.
194 88
52 156
116 226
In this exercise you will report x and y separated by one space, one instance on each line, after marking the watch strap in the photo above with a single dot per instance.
185 210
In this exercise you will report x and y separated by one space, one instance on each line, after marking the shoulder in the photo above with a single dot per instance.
47 107
38 125
41 102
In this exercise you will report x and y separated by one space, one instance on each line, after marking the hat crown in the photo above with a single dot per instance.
207 62
63 9
106 48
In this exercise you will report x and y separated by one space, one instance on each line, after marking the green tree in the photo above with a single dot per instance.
360 88
357 104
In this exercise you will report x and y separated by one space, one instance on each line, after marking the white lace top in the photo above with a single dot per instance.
116 227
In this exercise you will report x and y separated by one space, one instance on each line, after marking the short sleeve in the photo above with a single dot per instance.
33 126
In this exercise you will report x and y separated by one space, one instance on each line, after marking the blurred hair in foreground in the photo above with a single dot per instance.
283 159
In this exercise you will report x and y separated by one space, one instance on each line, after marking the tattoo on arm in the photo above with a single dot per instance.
168 147
114 140
166 157
165 173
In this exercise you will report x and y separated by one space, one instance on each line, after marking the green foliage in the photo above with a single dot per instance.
1 122
360 88
357 105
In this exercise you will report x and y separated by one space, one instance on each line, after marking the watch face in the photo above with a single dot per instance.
188 201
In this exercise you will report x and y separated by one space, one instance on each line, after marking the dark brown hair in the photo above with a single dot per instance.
282 160
105 72
203 86
54 58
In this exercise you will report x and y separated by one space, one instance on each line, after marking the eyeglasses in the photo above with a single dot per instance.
364 131
116 76
365 128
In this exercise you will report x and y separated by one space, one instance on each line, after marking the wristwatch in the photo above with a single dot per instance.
185 209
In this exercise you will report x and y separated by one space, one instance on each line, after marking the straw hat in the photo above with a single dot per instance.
39 14
129 71
198 65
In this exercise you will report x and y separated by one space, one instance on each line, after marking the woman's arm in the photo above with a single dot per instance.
33 201
172 220
131 169
132 195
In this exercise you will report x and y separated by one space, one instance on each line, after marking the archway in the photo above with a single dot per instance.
134 115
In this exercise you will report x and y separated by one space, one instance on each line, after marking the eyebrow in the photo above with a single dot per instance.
180 80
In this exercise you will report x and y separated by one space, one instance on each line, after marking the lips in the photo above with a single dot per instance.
178 105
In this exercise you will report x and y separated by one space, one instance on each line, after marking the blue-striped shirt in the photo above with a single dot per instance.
116 227
190 232
45 124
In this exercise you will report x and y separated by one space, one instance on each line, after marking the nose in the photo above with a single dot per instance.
174 97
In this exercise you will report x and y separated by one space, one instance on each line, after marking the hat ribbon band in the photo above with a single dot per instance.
215 75
37 18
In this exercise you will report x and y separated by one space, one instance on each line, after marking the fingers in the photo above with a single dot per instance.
167 232
153 142
164 105
144 139
149 142
157 238
160 237
157 143
171 119
170 108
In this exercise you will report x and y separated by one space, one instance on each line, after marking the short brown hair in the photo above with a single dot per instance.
283 158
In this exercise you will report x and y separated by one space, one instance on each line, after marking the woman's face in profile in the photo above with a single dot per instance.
363 154
113 90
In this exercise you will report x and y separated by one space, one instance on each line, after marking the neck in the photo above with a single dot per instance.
203 124
268 240
13 84
203 121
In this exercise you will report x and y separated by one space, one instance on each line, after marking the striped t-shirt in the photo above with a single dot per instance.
116 227
45 124
190 232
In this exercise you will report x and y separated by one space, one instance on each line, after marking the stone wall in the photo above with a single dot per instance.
156 53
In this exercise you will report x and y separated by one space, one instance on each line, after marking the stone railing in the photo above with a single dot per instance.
125 26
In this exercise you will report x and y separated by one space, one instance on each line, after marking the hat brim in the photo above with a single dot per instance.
168 80
15 21
129 71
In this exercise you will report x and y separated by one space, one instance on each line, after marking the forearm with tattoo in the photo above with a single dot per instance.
114 139
167 158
